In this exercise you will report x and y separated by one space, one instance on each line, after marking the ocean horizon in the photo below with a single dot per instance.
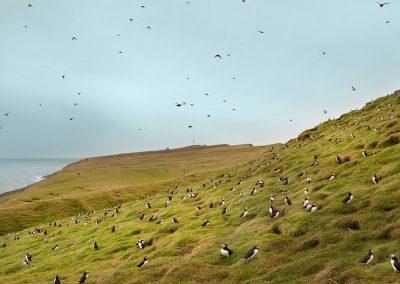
19 173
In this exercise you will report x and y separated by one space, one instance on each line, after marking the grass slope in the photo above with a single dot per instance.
96 183
298 246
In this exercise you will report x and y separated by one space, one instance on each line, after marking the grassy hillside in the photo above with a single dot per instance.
298 246
96 183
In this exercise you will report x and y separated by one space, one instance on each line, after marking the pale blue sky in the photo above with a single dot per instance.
281 74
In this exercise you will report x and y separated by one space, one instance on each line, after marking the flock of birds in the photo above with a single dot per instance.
217 56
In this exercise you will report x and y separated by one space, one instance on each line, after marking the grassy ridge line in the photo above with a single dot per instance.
99 182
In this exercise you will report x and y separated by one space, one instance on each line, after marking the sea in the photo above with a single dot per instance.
19 173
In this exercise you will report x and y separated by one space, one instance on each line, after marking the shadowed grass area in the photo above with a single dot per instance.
299 247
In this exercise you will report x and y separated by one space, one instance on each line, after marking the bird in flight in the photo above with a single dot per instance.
143 6
323 52
30 6
119 52
381 4
190 126
130 20
148 27
6 114
71 118
63 76
218 56
74 38
79 93
325 111
75 104
26 27
261 32
354 89
180 104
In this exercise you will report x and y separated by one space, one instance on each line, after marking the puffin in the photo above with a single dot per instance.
83 278
287 200
252 252
225 251
144 262
206 223
348 198
395 263
57 280
368 258
244 213
95 246
224 210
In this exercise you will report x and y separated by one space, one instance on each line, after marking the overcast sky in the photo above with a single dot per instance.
281 74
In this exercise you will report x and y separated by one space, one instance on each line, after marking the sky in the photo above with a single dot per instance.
281 74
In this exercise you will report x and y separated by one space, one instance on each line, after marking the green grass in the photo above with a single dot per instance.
297 247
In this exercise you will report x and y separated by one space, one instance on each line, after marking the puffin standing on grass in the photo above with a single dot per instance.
287 200
252 252
57 280
225 251
83 278
95 246
140 244
348 198
244 213
206 223
395 263
273 212
144 262
375 179
225 210
368 258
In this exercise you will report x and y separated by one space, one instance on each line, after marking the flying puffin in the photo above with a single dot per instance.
83 278
244 213
348 198
144 262
287 200
206 223
368 258
252 252
225 251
